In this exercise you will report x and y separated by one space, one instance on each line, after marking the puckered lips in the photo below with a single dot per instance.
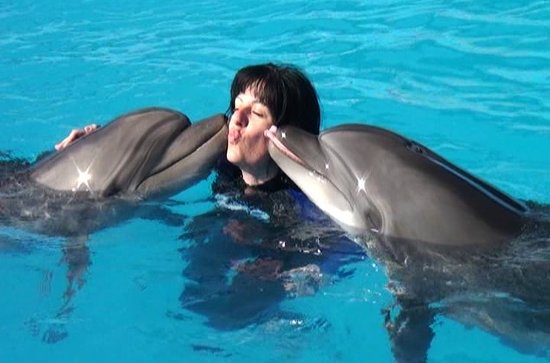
233 136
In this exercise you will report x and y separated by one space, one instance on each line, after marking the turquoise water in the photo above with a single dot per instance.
468 79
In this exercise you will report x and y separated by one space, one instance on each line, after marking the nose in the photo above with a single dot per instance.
239 117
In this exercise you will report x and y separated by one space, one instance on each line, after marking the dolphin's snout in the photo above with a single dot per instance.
272 134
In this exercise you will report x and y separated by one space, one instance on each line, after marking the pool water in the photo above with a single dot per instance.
469 79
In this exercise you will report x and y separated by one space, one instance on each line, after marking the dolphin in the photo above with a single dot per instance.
145 155
371 180
149 152
450 242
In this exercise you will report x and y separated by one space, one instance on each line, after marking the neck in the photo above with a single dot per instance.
257 177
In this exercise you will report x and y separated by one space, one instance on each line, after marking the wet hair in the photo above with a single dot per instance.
285 90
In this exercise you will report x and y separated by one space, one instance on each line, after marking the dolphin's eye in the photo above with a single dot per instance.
415 147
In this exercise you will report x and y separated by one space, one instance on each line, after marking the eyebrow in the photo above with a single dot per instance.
255 100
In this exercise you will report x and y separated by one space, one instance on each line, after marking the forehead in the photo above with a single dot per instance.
249 96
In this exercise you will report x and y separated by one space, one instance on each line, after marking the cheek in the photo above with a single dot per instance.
260 149
258 141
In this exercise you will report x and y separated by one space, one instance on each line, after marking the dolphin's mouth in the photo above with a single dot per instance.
312 166
270 134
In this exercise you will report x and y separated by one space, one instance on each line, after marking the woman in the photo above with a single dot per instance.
264 241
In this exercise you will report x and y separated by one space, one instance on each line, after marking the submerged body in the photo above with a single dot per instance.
257 247
451 243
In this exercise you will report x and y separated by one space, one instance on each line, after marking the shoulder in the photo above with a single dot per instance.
280 182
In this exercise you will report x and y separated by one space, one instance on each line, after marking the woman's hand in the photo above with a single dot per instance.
75 135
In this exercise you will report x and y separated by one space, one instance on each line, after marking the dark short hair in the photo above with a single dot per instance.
285 90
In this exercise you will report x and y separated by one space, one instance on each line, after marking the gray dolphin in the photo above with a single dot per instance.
451 243
149 152
372 180
104 178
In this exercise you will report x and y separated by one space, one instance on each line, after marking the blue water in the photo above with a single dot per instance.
470 79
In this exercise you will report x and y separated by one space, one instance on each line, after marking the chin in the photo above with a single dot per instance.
233 156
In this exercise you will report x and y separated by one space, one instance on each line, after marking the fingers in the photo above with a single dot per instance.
74 135
90 128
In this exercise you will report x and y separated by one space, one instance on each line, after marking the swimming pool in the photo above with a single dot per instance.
468 79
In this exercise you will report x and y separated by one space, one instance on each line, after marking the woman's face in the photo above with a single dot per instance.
246 143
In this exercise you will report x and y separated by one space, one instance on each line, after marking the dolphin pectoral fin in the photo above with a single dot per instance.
410 331
76 254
